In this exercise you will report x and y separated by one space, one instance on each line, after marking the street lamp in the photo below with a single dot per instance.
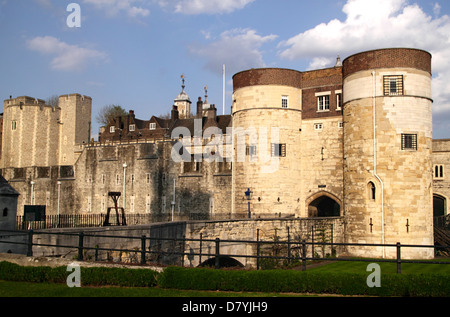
248 195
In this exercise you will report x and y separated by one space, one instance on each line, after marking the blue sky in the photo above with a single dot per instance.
133 52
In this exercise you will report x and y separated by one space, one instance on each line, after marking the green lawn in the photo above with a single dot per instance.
385 267
24 289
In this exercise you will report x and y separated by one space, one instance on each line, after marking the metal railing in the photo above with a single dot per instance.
150 249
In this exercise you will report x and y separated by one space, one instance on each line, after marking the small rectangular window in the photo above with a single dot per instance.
13 125
393 85
112 129
250 150
409 141
318 126
278 150
284 101
152 126
132 127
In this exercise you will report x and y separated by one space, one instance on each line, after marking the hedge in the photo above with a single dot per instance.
273 281
92 276
304 282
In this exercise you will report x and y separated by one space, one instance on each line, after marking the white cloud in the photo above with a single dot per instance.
66 57
380 24
204 6
238 49
114 7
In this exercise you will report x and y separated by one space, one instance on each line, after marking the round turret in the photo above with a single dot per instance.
266 131
387 150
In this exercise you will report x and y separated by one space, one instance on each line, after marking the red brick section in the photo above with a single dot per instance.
311 82
387 58
287 77
330 79
267 76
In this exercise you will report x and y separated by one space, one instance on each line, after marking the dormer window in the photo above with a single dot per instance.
152 126
112 129
132 127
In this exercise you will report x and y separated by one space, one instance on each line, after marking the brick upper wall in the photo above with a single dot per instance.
287 77
387 58
267 76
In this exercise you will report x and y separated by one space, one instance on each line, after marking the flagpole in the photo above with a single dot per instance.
223 101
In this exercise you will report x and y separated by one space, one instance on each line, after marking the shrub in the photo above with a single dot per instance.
94 276
304 282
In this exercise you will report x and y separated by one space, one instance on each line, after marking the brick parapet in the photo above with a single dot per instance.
387 58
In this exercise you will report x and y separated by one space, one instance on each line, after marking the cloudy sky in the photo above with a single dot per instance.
133 52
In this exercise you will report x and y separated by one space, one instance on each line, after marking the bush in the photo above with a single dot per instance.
277 281
304 282
93 276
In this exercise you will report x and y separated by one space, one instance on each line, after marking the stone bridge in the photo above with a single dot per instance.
190 237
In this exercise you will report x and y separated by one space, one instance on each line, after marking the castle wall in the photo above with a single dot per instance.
321 161
150 174
441 172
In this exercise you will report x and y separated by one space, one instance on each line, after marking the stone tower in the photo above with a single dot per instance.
266 114
387 150
30 133
183 102
75 125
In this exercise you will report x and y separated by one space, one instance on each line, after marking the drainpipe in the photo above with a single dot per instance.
59 200
32 193
173 201
375 162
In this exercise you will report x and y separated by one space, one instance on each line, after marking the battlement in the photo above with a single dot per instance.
69 96
23 100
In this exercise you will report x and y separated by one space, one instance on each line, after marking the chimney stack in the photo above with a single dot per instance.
199 107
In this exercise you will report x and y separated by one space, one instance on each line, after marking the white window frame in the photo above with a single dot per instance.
318 126
152 126
284 101
322 97
112 129
338 94
132 127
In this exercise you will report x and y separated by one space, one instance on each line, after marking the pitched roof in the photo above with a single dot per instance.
6 189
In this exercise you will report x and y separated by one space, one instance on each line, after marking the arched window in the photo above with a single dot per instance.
371 190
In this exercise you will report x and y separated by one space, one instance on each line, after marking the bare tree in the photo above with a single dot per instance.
109 113
52 101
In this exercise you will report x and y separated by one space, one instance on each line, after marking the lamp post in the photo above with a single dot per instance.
248 195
